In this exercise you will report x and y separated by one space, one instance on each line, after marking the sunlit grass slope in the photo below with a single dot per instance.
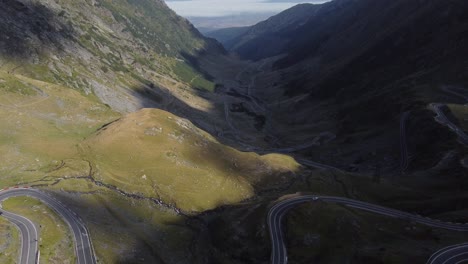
156 154
41 124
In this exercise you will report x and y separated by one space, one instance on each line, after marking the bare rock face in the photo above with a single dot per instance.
111 49
29 27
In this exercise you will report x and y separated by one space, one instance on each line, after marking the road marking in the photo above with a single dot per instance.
278 210
83 247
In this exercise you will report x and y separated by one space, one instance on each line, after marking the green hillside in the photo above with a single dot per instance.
172 150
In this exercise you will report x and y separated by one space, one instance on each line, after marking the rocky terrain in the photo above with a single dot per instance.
355 75
362 86
272 36
172 150
112 49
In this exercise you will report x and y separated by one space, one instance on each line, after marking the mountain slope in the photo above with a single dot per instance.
355 67
270 37
227 36
152 187
159 155
103 47
74 76
374 88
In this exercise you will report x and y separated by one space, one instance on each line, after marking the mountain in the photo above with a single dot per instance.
270 37
207 24
226 36
348 57
112 45
70 69
367 87
171 150
373 88
105 106
166 146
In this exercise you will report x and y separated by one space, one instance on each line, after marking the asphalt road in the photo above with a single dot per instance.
279 210
456 254
83 247
442 119
29 237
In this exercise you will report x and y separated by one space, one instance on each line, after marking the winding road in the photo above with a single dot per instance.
29 236
29 252
259 107
443 119
451 255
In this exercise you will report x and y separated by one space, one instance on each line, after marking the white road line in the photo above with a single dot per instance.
278 210
77 227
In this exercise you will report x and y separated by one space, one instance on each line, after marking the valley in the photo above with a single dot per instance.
166 147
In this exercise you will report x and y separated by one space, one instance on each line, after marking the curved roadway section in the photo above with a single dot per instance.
444 120
29 237
279 210
450 255
83 247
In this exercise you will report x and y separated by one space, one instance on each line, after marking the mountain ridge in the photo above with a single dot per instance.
172 151
101 38
269 34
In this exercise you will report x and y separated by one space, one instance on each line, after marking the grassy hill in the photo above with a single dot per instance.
80 81
103 163
159 155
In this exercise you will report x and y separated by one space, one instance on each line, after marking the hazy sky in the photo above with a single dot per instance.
213 8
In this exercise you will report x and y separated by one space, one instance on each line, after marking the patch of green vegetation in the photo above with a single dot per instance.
38 72
145 61
198 174
99 36
138 77
156 25
460 112
13 85
60 118
86 41
203 84
184 72
126 230
114 62
9 242
55 239
364 237
318 236
311 229
188 75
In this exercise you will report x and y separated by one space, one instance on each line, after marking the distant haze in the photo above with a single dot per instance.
208 15
207 24
220 8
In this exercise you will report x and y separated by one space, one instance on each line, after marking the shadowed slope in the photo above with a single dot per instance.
156 154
